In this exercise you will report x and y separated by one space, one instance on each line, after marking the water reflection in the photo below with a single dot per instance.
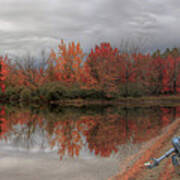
69 130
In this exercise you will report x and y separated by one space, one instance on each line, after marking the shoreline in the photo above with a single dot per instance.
152 100
123 101
134 166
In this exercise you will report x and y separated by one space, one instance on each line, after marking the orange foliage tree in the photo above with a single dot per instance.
32 78
24 74
65 65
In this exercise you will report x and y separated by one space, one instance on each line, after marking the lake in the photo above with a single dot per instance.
75 143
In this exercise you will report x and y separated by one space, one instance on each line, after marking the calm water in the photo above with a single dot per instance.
93 134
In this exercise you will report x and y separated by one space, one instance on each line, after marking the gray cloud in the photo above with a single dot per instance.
32 25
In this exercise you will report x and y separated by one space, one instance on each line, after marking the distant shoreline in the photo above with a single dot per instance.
123 101
129 101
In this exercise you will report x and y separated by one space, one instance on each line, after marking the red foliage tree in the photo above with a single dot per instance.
3 72
101 66
171 75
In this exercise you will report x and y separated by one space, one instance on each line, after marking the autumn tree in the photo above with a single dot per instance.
155 75
28 74
65 65
3 72
102 64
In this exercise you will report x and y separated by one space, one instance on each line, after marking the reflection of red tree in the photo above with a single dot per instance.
3 124
166 116
19 118
108 132
67 137
142 129
103 134
177 109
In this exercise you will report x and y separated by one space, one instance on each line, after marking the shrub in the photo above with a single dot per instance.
131 89
25 95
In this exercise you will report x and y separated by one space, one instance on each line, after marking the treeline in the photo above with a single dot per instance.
104 73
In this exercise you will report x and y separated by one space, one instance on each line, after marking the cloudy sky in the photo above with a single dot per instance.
32 25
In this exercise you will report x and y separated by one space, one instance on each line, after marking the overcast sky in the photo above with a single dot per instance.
32 25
